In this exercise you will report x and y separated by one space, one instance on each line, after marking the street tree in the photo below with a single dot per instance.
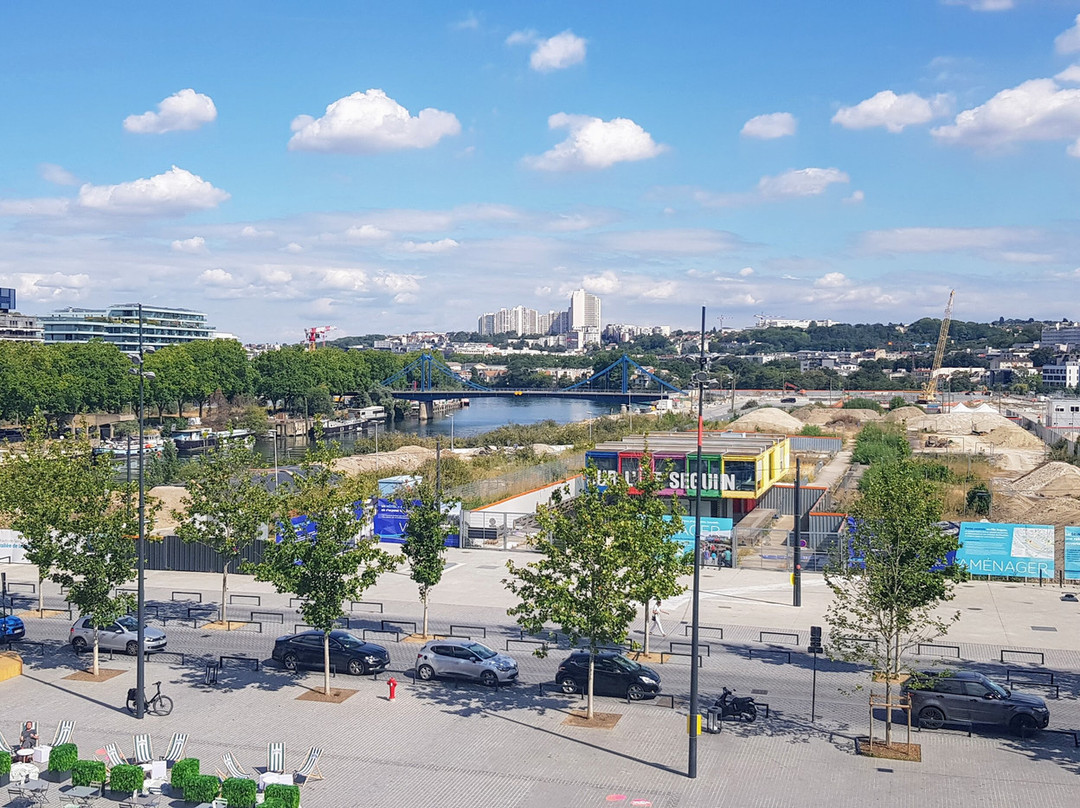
425 543
584 575
319 555
225 507
656 562
893 575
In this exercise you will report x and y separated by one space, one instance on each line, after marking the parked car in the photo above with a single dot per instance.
347 652
120 635
613 675
11 628
465 659
969 697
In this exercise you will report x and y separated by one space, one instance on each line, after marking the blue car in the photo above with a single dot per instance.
11 629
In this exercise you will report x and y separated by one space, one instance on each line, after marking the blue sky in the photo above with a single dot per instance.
385 167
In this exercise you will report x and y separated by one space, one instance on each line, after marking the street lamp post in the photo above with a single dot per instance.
140 663
692 720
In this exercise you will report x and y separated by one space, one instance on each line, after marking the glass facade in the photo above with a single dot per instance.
120 325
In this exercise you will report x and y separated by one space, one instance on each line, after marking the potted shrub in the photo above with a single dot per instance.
5 767
201 788
240 792
182 771
62 758
273 802
289 795
87 772
126 778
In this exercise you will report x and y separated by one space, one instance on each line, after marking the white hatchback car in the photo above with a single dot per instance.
120 635
465 659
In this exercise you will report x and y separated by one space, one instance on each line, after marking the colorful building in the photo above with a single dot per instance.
736 469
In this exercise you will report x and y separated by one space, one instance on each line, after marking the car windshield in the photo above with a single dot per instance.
625 664
481 651
349 641
997 689
129 622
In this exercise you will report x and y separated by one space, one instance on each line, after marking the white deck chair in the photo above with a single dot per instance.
275 758
310 769
144 749
175 751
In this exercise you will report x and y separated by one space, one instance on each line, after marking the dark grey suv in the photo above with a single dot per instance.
967 697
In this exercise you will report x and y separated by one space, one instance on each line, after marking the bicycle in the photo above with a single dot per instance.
157 705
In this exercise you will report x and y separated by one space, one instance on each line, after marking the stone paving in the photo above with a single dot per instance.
462 744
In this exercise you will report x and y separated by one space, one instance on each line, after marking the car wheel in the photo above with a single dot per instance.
569 686
289 662
1024 725
931 718
132 648
79 644
489 679
356 667
426 672
635 692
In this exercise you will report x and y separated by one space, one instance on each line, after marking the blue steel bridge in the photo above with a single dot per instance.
623 381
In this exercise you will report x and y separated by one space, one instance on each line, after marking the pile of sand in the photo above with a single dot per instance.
171 498
767 419
903 414
1013 437
406 458
824 417
991 427
1053 479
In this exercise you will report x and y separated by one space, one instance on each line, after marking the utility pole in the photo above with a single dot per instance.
693 722
796 576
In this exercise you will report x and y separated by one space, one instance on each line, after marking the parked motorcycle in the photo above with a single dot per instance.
732 706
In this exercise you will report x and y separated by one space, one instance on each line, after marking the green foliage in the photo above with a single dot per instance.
63 757
979 499
934 471
289 796
126 778
893 595
182 771
880 443
200 788
896 402
224 507
321 560
240 792
273 802
425 542
5 763
812 431
862 404
88 772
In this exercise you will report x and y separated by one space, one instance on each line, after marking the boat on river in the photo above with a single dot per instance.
196 440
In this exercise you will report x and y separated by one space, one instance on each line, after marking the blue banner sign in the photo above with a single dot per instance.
391 516
1072 552
713 529
1006 550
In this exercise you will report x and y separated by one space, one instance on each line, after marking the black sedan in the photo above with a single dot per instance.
613 675
347 652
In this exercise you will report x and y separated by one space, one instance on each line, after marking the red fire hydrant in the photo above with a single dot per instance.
393 687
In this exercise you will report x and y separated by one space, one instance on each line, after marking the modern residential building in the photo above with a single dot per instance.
1065 335
1063 413
17 327
765 321
119 325
1062 373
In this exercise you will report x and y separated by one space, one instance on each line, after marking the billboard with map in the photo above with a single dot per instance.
1007 550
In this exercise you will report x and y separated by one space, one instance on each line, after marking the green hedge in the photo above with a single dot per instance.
239 791
63 757
5 763
201 788
87 772
289 795
273 802
126 778
182 771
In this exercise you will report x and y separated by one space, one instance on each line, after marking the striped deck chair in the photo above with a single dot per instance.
144 749
275 758
310 769
232 768
112 756
5 746
175 751
63 733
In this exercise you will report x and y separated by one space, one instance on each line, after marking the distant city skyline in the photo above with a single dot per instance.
755 158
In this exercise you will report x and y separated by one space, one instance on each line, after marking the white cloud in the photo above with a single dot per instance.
195 244
184 110
45 206
594 143
526 37
1070 75
832 280
559 52
442 245
57 175
605 283
470 23
892 111
855 198
175 191
292 247
369 122
367 232
746 272
1069 41
983 5
768 127
255 232
1036 110
216 277
944 239
800 182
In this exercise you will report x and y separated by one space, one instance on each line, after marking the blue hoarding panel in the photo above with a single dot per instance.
1020 551
713 529
1072 552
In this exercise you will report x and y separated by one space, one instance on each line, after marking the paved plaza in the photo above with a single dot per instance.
465 745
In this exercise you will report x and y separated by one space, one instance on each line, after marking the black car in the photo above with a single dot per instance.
613 675
967 697
347 652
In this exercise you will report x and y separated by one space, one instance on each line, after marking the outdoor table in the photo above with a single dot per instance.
155 769
24 753
266 778
83 795
140 801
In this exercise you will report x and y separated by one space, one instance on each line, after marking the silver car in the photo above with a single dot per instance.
120 635
465 659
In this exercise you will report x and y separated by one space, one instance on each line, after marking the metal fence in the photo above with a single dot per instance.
1049 436
487 530
807 443
519 481
173 554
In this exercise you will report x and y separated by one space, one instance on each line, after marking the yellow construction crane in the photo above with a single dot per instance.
930 390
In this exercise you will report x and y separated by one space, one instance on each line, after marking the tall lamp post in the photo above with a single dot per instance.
700 378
